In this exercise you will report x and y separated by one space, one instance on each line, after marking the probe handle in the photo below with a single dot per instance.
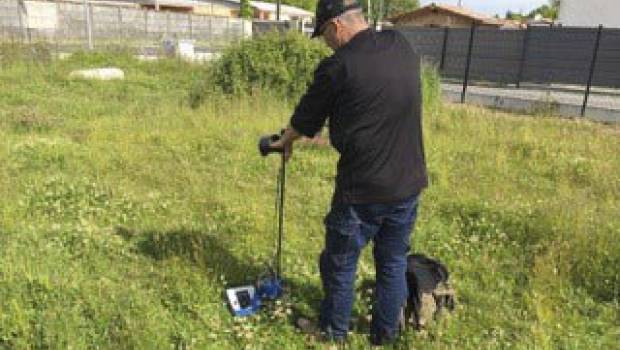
264 145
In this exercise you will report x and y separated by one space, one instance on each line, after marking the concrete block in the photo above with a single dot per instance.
98 74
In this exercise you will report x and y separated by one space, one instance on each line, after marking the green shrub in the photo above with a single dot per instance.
281 63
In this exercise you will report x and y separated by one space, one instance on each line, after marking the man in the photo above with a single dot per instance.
370 89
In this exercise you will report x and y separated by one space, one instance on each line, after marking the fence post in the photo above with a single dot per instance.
227 29
167 23
146 24
56 31
89 29
468 64
592 68
446 31
211 39
120 26
91 18
189 23
526 41
22 28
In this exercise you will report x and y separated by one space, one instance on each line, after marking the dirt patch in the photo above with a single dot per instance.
28 119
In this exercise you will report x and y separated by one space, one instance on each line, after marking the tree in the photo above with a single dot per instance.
245 10
547 11
513 15
380 9
309 5
393 8
384 9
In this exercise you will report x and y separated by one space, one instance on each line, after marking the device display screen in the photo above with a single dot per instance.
243 296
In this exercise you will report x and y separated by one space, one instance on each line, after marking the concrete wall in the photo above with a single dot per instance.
590 13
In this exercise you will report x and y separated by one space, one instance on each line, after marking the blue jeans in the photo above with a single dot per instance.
349 227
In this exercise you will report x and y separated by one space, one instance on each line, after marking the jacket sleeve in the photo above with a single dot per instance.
316 104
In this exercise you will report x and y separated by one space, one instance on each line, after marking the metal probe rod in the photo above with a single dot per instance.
281 216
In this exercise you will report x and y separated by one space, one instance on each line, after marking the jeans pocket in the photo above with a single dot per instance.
342 230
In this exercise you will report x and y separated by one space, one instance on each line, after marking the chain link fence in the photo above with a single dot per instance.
70 26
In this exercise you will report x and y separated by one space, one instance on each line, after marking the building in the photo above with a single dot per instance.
224 8
438 15
228 8
592 13
267 11
540 21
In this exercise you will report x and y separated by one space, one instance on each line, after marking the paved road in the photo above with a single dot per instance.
603 104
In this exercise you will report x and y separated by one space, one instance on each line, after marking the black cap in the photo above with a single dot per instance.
328 9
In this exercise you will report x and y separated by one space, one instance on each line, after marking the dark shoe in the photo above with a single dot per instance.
382 338
376 340
309 327
306 326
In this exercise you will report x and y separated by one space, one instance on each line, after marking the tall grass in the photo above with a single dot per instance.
124 213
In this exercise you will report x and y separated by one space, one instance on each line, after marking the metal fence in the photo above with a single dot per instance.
69 26
540 55
264 26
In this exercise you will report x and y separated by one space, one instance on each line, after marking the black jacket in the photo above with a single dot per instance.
370 89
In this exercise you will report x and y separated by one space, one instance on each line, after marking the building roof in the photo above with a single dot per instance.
287 9
455 10
513 23
113 3
259 5
171 3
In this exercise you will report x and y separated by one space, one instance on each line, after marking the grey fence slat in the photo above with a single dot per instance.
542 75
606 76
555 39
561 50
606 79
554 63
606 82
610 50
584 52
609 65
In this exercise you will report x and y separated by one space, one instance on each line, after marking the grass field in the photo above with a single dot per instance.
124 213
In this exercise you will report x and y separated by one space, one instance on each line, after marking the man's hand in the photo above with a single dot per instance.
286 142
